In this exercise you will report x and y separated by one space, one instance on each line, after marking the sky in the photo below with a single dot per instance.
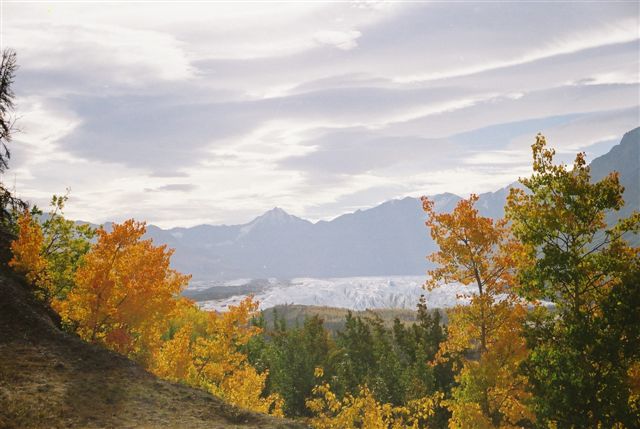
183 113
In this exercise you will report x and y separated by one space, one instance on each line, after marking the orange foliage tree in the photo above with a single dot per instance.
206 351
486 334
27 255
124 292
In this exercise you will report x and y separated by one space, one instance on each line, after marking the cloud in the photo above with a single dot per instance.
174 187
147 109
619 32
345 40
118 55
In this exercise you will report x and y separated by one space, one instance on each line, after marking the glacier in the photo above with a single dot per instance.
354 293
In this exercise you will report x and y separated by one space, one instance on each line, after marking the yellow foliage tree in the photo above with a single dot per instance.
486 334
363 411
206 352
124 292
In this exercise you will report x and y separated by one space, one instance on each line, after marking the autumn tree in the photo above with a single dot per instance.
49 253
486 334
27 255
65 244
363 410
572 258
206 351
124 292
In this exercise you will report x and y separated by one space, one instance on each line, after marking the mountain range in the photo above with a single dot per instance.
389 239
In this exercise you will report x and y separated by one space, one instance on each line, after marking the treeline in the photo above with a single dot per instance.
394 362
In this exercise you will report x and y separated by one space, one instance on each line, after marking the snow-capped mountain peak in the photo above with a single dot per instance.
275 218
275 215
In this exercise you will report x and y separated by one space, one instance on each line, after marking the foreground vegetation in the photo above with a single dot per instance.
51 379
503 361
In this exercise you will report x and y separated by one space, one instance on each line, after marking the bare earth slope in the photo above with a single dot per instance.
50 379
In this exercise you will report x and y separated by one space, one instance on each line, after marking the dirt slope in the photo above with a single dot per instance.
49 379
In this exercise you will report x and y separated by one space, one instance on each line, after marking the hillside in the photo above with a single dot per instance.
389 239
50 379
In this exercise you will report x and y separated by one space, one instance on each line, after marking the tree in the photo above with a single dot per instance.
50 253
363 410
355 358
27 255
418 345
385 378
8 67
486 334
65 244
291 356
572 258
9 204
124 292
206 351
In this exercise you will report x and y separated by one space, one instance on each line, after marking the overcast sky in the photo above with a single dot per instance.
187 113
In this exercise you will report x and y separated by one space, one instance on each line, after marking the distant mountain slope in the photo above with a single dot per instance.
389 239
625 159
